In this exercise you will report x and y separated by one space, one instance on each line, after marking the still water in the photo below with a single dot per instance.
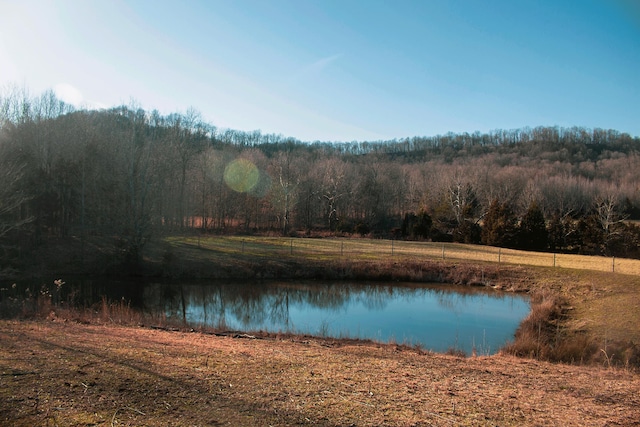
435 317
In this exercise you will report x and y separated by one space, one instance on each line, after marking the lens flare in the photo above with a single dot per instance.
241 175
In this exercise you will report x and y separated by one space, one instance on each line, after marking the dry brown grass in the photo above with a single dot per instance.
541 335
380 250
68 374
44 306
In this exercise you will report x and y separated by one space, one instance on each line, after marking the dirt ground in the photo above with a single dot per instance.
63 373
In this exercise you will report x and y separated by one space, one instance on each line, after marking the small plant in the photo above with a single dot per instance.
119 312
457 352
608 359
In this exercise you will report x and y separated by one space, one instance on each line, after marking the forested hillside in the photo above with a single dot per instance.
133 174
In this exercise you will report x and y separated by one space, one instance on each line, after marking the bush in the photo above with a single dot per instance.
362 229
468 232
345 226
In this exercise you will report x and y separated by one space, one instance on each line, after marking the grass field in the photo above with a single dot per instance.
366 249
65 373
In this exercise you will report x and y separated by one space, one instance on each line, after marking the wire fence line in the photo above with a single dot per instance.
330 248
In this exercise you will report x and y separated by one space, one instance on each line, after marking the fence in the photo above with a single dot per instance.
330 248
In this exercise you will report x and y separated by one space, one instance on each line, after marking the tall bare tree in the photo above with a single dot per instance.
12 193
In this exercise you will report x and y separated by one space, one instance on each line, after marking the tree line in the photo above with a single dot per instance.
134 174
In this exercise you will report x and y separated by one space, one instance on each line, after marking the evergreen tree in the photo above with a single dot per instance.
417 226
422 226
468 232
589 238
533 230
499 227
556 233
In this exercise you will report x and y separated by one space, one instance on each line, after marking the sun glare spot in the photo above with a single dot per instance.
241 175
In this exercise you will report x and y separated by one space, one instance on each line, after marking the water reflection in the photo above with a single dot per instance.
437 317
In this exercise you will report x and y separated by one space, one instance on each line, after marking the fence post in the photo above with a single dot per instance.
613 264
554 259
341 248
391 247
499 254
443 251
291 247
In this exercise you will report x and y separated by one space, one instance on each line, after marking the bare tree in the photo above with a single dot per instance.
286 179
606 207
137 180
461 197
333 172
12 194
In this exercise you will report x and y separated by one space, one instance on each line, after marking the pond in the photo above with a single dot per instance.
435 317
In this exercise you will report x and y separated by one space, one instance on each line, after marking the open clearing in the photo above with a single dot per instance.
70 374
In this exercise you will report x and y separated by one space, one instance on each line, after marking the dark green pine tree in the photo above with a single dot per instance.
556 233
499 228
417 226
422 226
533 233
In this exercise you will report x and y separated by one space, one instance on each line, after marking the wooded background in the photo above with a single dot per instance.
134 174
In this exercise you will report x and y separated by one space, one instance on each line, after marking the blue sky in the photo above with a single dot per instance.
337 70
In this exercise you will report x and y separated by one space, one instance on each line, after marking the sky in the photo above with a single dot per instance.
336 70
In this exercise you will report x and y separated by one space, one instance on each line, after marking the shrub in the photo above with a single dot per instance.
468 232
362 229
537 332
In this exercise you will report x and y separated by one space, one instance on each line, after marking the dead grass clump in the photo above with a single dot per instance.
538 331
618 354
540 336
575 349
10 303
457 352
28 304
119 312
47 303
470 274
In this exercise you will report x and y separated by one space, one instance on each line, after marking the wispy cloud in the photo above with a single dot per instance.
315 68
322 63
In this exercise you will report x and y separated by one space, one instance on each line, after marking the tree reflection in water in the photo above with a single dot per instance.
437 317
